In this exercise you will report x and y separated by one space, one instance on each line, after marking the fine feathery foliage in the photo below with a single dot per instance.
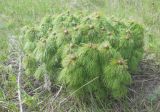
74 49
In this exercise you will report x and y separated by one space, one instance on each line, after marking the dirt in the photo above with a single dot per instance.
145 90
149 78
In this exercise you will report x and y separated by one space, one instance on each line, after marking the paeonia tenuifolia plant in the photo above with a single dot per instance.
90 54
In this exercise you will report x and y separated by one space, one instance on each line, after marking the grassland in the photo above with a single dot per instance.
14 14
17 13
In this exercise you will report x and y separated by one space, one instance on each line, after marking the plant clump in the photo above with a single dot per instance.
92 54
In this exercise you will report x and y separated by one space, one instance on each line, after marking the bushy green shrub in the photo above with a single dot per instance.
78 48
